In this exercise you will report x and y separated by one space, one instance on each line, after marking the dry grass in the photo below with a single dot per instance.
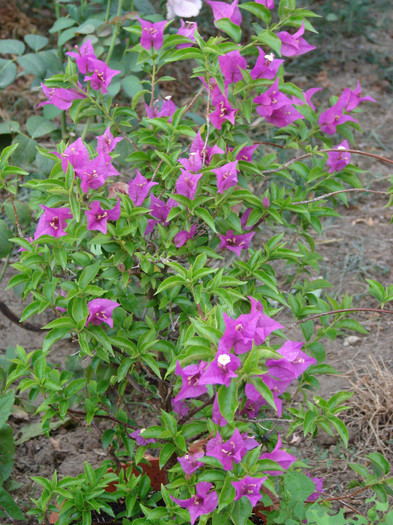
370 420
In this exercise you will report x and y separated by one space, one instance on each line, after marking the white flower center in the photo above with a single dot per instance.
269 57
224 359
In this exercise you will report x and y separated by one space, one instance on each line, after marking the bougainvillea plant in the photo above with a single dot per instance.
160 233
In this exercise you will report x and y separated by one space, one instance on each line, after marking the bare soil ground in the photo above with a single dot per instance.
357 246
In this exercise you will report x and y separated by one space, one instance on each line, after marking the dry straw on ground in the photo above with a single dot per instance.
370 420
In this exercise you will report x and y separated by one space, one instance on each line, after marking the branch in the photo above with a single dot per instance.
16 216
335 150
195 411
196 96
346 496
15 319
102 416
344 310
321 197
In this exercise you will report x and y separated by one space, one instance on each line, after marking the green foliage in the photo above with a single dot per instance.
177 303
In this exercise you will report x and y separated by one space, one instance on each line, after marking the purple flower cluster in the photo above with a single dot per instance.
334 116
239 336
276 107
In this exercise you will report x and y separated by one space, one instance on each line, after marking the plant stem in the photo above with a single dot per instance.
16 216
153 82
108 9
355 151
344 310
86 128
195 411
321 197
115 33
5 266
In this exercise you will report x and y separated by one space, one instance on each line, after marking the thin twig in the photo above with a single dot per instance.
207 124
321 197
15 319
195 411
345 496
344 310
200 311
196 96
16 215
271 144
157 168
101 416
335 150
346 504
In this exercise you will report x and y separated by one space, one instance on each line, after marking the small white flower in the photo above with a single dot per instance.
224 359
269 57
183 8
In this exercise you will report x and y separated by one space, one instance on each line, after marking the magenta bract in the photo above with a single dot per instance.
138 188
295 44
100 311
226 176
152 34
235 243
97 217
203 502
52 222
224 10
250 488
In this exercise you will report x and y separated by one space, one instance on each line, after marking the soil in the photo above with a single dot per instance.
356 246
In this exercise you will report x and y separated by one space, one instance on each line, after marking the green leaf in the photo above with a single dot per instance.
241 511
359 469
269 38
307 329
309 419
299 486
54 335
60 255
10 126
342 431
65 36
377 459
185 54
6 402
62 23
205 216
8 71
5 234
169 422
79 310
227 493
88 274
258 10
11 47
233 30
166 452
351 324
263 390
131 85
36 42
170 282
7 452
22 210
60 322
6 502
38 126
227 401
